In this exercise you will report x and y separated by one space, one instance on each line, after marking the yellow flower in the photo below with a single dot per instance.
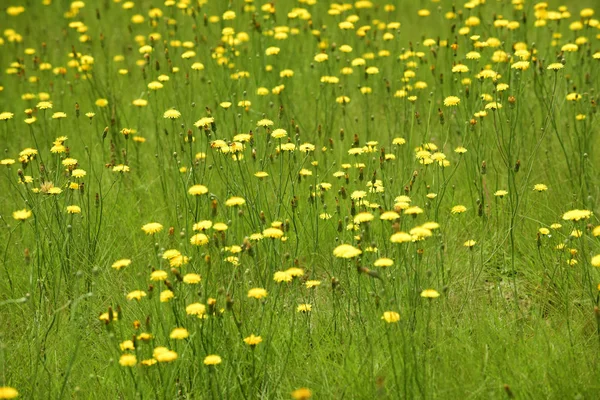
451 101
73 209
235 201
469 243
158 275
198 190
252 340
577 215
212 359
520 65
273 233
152 228
312 284
136 295
122 263
401 237
21 215
555 66
179 333
282 276
304 308
391 317
346 251
199 239
430 293
301 394
196 309
7 392
257 293
540 187
192 279
459 209
596 261
127 360
384 262
164 355
171 114
166 295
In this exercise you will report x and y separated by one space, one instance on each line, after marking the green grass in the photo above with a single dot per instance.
517 314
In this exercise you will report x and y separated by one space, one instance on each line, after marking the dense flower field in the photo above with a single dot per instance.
299 199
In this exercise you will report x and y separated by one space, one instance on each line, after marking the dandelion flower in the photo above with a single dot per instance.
391 317
304 308
257 293
171 114
21 215
459 209
126 360
301 394
122 263
576 215
430 294
451 101
152 228
252 340
212 359
136 295
346 251
179 333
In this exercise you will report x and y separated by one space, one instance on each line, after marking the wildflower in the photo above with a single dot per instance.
171 114
521 65
5 116
152 228
430 293
346 251
128 360
469 243
196 309
164 355
158 275
179 333
273 233
166 295
7 392
235 201
257 293
459 209
252 340
500 193
136 295
391 317
577 215
212 359
122 263
555 66
540 187
21 215
596 260
401 237
73 209
198 190
312 284
192 279
282 276
301 394
451 101
304 308
199 239
384 262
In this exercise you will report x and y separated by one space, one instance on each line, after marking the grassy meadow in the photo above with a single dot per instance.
205 199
